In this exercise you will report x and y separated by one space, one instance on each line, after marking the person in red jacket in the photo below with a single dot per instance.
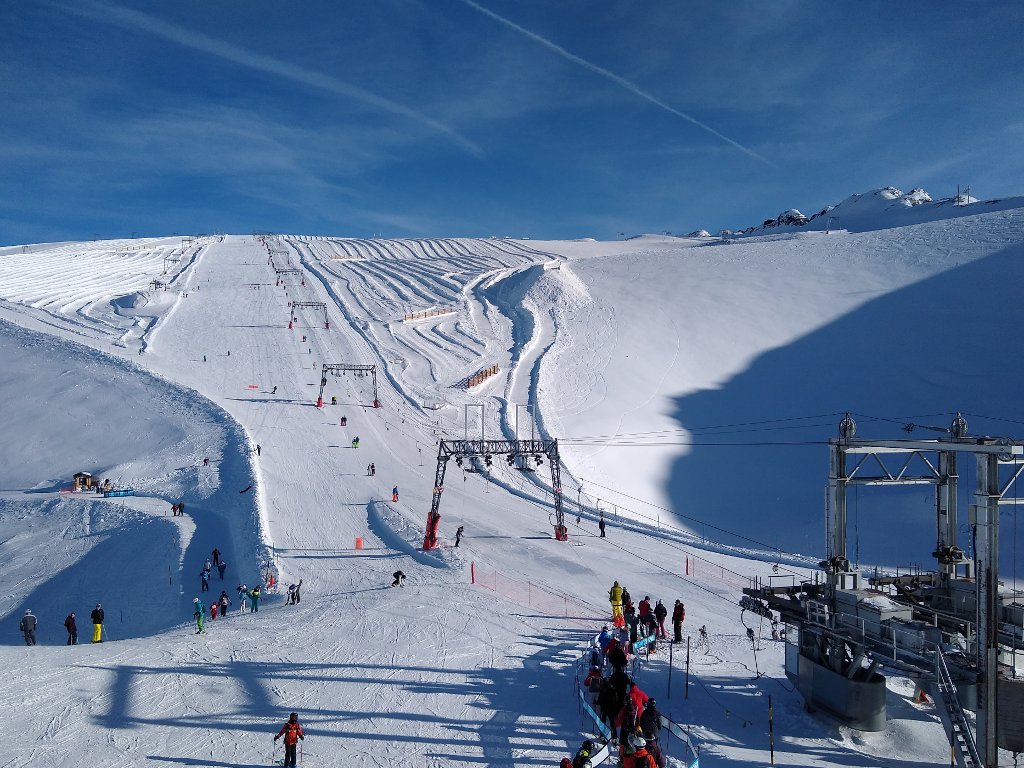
644 607
292 732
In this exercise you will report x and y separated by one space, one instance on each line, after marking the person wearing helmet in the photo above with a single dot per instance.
593 683
583 754
198 609
640 758
650 725
660 613
678 616
28 627
644 607
292 732
97 623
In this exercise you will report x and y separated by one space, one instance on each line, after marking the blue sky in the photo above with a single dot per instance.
408 118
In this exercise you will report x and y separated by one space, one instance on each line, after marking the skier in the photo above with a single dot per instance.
72 627
292 733
213 610
221 567
660 612
274 392
678 615
208 566
399 579
28 627
243 593
641 758
355 442
97 623
343 421
197 611
644 607
600 525
373 470
294 595
458 535
204 575
258 449
650 724
216 557
224 601
254 599
584 754
394 493
615 598
367 470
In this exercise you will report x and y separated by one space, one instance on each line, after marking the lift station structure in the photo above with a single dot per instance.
956 631
317 305
487 449
340 369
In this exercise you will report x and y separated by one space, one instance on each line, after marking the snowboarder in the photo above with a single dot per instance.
216 557
399 579
28 627
72 627
221 567
254 599
224 601
615 598
292 732
394 493
97 623
458 535
600 526
204 576
678 615
243 594
294 594
197 611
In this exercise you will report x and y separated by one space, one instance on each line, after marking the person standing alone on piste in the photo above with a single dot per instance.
97 623
292 732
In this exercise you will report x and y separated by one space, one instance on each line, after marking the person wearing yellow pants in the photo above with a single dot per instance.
615 598
97 623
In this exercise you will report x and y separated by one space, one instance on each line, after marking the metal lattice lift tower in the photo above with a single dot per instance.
311 305
342 368
462 449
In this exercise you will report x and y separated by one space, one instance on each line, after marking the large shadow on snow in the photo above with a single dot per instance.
944 344
507 711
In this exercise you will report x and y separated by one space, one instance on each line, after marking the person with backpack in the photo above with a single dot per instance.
28 627
660 612
678 615
254 599
204 577
650 726
640 757
593 683
97 623
224 602
292 732
198 609
72 627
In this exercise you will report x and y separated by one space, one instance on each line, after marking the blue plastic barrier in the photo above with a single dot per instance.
119 492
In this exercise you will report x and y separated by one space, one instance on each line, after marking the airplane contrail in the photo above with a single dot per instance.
192 38
618 79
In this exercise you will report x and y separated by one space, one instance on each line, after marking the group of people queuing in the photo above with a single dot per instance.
29 623
630 714
642 619
214 561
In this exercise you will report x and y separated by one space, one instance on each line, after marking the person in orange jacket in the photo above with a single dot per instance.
640 758
292 732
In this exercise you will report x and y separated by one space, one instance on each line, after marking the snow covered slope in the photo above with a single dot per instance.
682 380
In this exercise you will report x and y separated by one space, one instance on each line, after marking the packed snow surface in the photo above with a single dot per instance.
691 386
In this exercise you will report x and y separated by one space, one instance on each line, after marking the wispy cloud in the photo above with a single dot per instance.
617 79
191 38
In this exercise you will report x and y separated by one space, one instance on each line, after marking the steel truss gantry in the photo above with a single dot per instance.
342 368
939 460
318 305
460 449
